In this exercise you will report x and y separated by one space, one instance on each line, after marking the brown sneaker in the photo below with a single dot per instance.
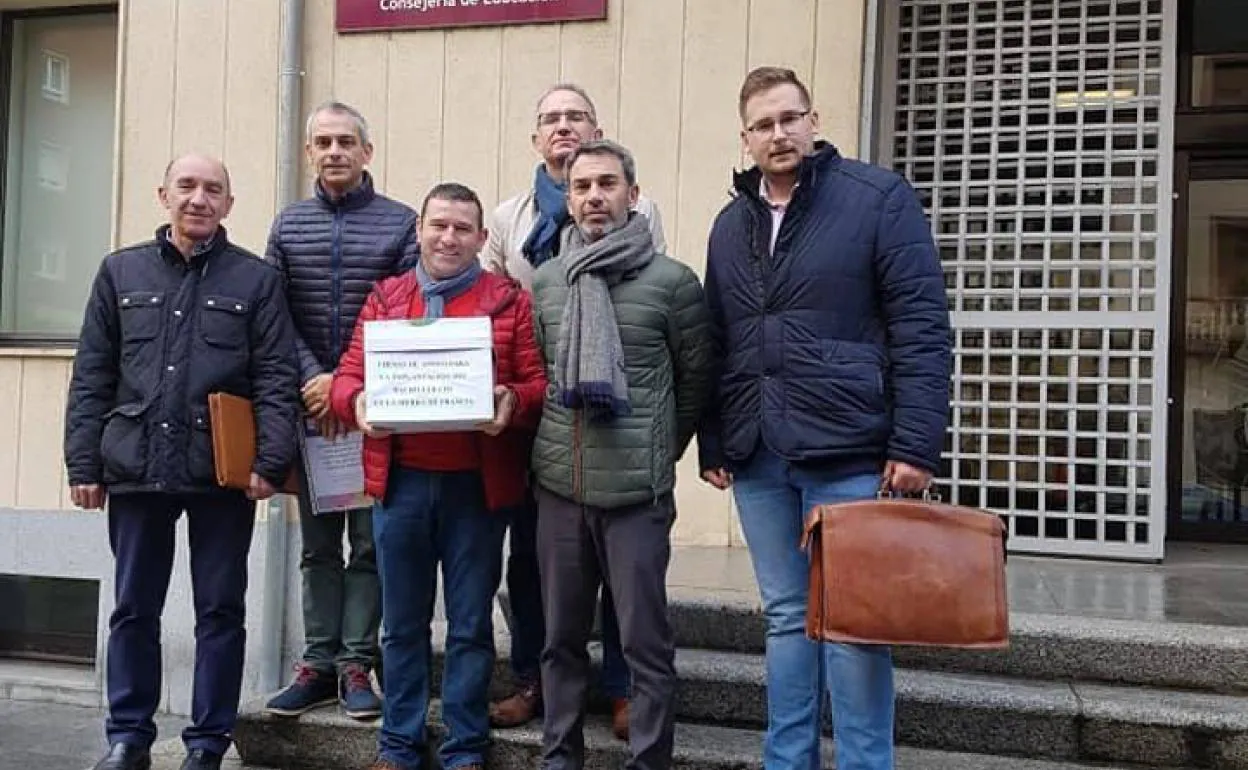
519 709
619 718
384 764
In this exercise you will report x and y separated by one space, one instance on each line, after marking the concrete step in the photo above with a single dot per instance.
990 715
1047 647
327 740
1003 716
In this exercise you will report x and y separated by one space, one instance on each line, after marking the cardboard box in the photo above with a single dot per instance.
425 376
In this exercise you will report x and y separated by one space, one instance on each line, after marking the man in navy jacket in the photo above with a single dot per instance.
332 248
829 307
170 321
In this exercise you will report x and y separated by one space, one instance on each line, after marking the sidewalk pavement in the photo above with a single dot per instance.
45 735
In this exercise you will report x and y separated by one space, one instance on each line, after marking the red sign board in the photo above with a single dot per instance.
365 15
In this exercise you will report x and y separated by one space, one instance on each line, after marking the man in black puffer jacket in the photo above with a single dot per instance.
332 248
168 322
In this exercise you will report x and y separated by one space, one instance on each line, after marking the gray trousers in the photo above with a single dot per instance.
341 602
577 548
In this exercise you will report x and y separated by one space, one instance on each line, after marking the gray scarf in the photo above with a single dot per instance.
589 363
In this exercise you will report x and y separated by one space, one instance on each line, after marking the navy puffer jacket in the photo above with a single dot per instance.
332 252
836 349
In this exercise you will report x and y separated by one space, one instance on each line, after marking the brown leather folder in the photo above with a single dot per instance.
233 424
906 572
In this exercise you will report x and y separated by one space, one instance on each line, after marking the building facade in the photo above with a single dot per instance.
1084 164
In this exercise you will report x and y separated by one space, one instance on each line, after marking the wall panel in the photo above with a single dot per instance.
531 63
652 48
147 107
361 77
413 147
837 81
472 89
10 427
782 34
41 433
199 76
251 153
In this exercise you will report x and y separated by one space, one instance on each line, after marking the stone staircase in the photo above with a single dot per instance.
1072 692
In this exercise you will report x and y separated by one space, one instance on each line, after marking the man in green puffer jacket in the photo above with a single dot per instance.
625 333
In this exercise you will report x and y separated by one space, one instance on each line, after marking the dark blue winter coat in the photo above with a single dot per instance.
837 348
159 334
332 252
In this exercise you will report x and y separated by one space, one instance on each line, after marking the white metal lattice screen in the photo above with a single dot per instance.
1031 129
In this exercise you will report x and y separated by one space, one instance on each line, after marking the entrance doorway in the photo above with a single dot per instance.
1208 446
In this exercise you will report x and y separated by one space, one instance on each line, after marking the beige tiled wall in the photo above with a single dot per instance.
202 74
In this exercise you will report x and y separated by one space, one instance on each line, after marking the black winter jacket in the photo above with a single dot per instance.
331 254
158 335
836 348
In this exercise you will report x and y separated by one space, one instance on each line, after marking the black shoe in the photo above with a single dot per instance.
123 756
201 759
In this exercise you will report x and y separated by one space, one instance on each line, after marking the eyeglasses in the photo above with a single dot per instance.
788 123
573 116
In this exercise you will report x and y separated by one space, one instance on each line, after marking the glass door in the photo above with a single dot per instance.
1212 351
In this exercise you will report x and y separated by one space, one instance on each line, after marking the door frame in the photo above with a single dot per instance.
1202 135
1202 161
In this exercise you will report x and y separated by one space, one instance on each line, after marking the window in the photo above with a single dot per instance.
1215 36
57 168
49 618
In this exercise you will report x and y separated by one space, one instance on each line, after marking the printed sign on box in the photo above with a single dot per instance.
423 376
369 15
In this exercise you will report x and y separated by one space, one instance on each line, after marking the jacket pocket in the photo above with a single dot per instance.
855 375
141 315
200 466
123 443
223 322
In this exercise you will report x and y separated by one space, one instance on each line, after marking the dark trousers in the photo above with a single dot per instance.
141 531
528 623
429 518
341 603
579 547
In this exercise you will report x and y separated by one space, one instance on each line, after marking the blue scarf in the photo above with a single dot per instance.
436 293
552 212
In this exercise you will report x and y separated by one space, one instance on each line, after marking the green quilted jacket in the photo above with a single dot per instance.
665 330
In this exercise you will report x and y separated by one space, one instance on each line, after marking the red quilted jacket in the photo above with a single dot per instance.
517 364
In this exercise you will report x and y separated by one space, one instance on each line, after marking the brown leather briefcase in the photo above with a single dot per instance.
233 424
901 571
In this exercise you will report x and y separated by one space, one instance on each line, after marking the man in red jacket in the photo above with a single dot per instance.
443 497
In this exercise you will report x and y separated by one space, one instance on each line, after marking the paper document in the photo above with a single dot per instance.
335 470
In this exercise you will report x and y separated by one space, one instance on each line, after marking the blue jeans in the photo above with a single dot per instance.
528 624
773 497
427 518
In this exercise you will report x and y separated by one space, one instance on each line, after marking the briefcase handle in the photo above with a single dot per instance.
883 493
927 496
